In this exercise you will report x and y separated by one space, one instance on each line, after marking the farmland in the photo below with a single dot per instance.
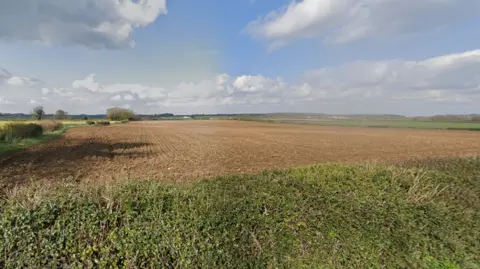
184 150
373 123
182 194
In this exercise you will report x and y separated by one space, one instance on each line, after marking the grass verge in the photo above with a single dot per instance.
416 215
28 142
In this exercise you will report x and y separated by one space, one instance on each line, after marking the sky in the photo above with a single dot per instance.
409 57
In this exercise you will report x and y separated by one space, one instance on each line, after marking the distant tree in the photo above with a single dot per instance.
60 115
120 114
38 112
85 118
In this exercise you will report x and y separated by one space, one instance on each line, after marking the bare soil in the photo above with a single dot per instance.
183 150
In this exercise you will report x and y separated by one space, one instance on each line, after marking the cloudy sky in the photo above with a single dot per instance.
411 57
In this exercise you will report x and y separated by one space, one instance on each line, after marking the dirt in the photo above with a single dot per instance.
185 150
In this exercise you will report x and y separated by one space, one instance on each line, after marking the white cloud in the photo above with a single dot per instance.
449 78
349 20
116 98
93 23
355 87
8 79
4 101
22 81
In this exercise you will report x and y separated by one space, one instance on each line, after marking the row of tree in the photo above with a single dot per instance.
39 113
114 114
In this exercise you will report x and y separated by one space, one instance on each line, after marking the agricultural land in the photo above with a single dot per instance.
245 194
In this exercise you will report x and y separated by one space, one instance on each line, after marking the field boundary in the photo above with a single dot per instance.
7 147
380 126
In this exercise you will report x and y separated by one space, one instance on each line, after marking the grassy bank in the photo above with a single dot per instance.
467 126
418 215
28 142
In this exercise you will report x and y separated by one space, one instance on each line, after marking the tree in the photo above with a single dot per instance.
61 115
38 112
120 114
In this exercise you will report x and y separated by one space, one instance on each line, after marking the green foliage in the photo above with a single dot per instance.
14 131
102 122
328 216
90 122
38 112
50 126
124 121
120 114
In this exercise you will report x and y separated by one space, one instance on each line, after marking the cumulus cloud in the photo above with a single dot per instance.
93 23
354 87
7 78
350 20
449 78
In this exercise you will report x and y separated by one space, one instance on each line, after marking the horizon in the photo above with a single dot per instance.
241 57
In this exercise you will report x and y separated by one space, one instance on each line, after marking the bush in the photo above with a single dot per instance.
103 122
16 130
90 122
120 114
50 126
124 121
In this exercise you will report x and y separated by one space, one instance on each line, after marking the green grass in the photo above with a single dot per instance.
28 142
469 126
417 215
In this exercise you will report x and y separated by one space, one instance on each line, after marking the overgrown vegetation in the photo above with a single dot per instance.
14 131
417 215
102 122
120 114
50 126
18 135
90 122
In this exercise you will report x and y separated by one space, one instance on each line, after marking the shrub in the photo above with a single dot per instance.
124 121
103 122
60 115
50 126
38 113
90 122
16 130
120 114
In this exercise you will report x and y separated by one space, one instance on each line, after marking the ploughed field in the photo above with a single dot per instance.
183 150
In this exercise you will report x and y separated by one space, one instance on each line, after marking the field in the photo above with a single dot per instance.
71 122
105 196
371 123
183 150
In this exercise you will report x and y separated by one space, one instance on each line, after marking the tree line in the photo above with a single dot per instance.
113 114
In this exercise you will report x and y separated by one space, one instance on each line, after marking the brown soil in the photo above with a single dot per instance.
183 150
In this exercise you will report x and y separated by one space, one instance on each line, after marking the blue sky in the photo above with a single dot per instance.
189 56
